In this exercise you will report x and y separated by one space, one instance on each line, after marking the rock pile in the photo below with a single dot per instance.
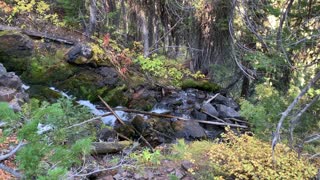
190 114
11 90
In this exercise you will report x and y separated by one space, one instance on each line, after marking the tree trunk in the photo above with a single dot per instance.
145 33
124 20
92 18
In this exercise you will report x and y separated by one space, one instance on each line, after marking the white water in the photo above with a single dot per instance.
61 92
108 119
25 87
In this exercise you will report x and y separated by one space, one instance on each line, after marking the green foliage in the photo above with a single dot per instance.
38 10
51 152
263 113
7 114
244 157
71 9
200 84
147 157
165 69
270 63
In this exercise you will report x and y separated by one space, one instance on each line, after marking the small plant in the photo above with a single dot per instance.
38 10
165 69
51 151
147 157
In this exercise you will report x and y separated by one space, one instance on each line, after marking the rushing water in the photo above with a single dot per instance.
109 120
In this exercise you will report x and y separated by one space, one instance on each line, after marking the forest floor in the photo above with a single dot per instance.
5 145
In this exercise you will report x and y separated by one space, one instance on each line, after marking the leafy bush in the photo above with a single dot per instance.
244 157
37 10
263 113
165 69
55 147
147 157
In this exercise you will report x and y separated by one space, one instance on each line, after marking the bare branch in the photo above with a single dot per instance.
89 120
10 170
11 153
312 138
289 109
295 120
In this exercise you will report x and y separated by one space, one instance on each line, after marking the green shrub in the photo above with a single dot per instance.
263 113
165 69
244 157
53 152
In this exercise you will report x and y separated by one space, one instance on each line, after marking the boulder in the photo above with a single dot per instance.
11 90
109 74
226 101
227 112
189 130
79 54
15 44
208 108
198 115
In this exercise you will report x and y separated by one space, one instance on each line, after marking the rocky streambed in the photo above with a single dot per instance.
159 114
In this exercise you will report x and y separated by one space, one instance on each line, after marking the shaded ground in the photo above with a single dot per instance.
6 144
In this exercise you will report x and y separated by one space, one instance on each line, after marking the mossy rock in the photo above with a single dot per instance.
144 104
84 85
201 85
117 96
15 44
47 70
43 93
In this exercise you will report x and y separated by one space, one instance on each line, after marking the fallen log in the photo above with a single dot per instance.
37 34
109 147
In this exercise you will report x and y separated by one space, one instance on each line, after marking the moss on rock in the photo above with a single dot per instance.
201 85
117 96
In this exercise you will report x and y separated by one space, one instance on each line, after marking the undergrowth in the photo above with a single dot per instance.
236 157
53 146
166 69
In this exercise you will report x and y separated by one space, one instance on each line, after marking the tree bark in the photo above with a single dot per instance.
92 18
145 33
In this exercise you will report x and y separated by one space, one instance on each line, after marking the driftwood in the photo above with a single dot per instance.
180 118
109 147
38 34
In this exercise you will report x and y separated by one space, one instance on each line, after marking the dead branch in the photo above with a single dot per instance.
37 34
180 118
289 109
296 119
11 153
10 170
312 138
120 120
97 171
212 98
215 117
110 109
89 120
